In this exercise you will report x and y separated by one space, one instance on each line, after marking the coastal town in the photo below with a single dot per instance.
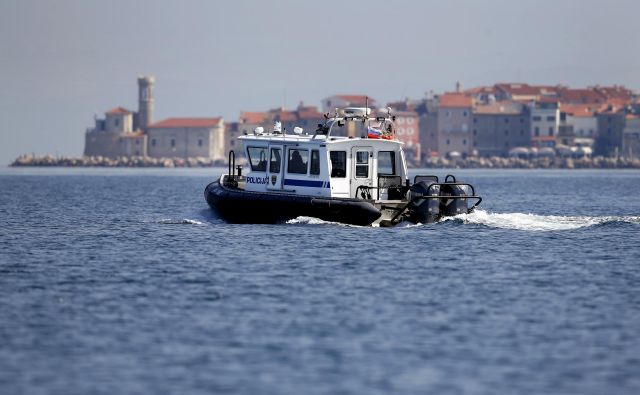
505 125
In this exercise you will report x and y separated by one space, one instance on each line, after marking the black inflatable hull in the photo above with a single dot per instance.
238 206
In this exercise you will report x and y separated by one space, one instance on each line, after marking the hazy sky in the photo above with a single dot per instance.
61 62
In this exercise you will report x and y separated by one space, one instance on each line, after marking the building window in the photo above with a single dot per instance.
551 118
521 120
536 131
506 120
199 142
338 163
137 142
464 142
362 164
448 142
475 132
464 113
173 142
153 142
116 122
475 120
550 130
315 162
298 161
537 118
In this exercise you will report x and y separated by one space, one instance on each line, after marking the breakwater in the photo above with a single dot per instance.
101 161
494 162
557 162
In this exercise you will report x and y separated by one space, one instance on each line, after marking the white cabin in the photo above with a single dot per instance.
322 165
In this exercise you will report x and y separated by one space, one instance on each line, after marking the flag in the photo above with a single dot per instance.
373 133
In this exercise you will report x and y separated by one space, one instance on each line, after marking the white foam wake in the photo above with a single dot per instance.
312 221
533 222
184 221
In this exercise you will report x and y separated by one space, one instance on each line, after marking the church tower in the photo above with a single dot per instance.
145 101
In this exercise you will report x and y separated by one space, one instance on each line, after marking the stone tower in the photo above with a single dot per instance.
458 87
145 101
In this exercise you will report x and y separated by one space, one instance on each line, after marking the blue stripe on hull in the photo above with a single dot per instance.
307 183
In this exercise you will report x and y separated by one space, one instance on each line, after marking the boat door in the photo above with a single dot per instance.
362 170
275 168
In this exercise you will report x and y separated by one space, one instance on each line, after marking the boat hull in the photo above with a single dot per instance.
239 206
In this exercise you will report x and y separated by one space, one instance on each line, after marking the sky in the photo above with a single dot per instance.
64 61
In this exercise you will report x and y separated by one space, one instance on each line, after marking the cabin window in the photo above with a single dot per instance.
298 161
257 158
315 162
338 164
275 160
386 163
362 164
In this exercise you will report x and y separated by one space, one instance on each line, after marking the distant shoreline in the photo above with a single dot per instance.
434 163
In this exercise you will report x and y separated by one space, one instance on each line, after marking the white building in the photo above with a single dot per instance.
187 138
545 121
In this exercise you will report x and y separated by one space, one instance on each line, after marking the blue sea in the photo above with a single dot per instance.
122 281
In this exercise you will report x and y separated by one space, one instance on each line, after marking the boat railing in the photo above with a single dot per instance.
230 180
393 185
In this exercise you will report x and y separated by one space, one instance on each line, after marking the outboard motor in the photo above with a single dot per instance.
449 207
424 210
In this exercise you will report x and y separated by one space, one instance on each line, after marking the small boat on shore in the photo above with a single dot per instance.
353 180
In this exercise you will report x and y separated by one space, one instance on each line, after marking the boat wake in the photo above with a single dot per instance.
184 221
515 221
533 222
314 221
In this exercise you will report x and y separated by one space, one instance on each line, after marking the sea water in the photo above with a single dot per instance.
123 281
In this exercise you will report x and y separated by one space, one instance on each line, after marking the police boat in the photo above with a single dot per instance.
352 180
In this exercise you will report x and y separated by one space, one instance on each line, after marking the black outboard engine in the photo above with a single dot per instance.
449 207
424 210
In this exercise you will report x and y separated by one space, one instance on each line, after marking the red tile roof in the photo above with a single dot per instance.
285 116
310 113
568 95
118 110
578 110
186 123
516 89
615 92
455 100
252 117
